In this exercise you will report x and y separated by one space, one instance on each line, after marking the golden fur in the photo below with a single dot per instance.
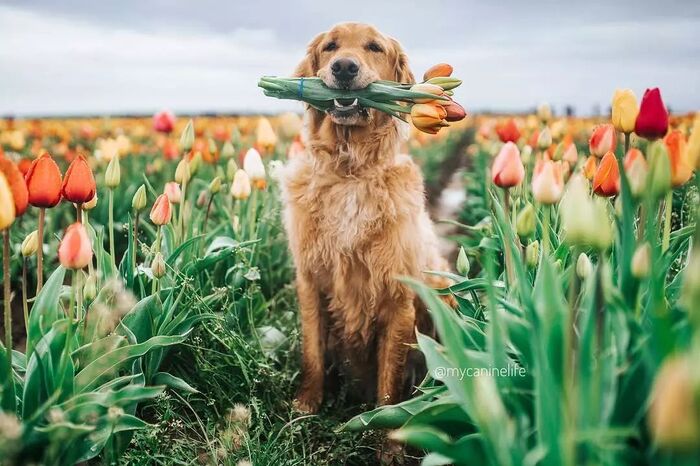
356 219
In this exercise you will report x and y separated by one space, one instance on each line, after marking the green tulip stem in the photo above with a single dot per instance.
252 212
510 274
40 250
545 229
668 208
135 242
6 295
206 220
111 227
154 289
25 306
181 212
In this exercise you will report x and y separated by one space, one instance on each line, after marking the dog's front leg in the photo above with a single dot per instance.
313 336
394 342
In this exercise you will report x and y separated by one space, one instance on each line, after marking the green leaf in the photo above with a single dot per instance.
46 309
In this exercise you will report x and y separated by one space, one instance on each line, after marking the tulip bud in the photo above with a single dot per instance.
693 146
681 168
652 120
187 137
508 131
441 70
507 169
463 262
455 112
44 182
525 222
113 173
544 112
624 110
544 140
30 244
172 190
253 166
240 187
75 249
590 167
444 82
426 88
584 267
194 162
138 202
227 151
231 169
659 170
161 212
215 185
585 220
265 135
547 182
201 198
532 253
7 204
570 155
673 413
428 118
158 265
603 140
526 154
91 204
606 181
182 172
90 288
212 146
640 261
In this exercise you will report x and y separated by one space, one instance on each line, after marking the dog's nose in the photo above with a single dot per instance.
345 69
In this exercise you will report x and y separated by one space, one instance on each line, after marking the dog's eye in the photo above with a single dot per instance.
374 47
330 46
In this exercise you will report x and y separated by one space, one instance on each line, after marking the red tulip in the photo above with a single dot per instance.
164 122
652 121
75 250
603 140
507 170
606 181
44 182
79 183
508 131
17 185
161 213
455 112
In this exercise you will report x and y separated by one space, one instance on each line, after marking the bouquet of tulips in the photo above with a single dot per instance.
429 103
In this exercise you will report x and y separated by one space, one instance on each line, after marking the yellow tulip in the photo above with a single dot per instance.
7 204
692 148
265 135
624 110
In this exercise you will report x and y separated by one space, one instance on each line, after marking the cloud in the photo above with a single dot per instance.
103 57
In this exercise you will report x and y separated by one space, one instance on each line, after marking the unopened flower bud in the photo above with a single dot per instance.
544 140
138 202
227 151
231 169
525 222
532 253
445 82
113 173
212 146
187 136
90 288
584 267
463 262
30 244
182 172
215 185
659 170
158 265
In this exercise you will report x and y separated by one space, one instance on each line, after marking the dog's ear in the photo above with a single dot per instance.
309 65
401 70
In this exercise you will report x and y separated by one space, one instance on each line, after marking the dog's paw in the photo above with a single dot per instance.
306 405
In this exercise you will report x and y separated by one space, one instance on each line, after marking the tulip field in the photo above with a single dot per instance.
150 317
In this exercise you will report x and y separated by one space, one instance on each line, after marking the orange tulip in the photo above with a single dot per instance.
681 170
508 131
455 112
606 181
24 165
603 140
79 183
17 185
508 170
161 212
428 118
590 167
44 182
441 70
75 250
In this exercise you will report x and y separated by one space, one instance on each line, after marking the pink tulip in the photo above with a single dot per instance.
603 140
75 250
508 170
164 122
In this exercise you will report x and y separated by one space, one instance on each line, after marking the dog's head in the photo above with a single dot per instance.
352 56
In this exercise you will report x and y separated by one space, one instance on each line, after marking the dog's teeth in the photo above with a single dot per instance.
354 102
336 103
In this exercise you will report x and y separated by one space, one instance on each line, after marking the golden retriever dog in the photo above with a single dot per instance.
356 219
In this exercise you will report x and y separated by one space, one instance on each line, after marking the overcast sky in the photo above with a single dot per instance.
108 57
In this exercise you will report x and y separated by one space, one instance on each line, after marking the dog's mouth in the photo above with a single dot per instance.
347 112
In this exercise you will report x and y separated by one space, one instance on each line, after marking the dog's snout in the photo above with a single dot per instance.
345 69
